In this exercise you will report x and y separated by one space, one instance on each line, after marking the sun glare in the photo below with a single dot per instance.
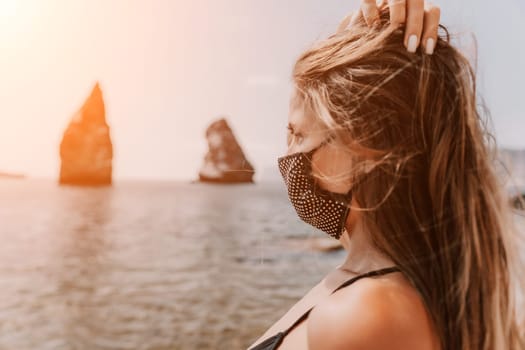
17 17
8 10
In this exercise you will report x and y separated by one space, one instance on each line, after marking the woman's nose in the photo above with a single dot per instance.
296 149
293 146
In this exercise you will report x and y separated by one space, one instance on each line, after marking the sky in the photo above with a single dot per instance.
168 68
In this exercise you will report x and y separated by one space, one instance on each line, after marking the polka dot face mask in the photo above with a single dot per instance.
324 210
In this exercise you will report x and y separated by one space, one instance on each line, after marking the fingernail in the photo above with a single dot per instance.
412 43
429 49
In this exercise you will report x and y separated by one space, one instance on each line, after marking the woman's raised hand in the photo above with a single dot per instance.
421 20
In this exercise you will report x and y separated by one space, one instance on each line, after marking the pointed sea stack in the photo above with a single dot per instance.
225 161
86 151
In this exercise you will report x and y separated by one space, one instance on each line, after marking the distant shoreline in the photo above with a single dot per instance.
11 176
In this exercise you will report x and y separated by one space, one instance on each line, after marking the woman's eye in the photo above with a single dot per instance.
294 137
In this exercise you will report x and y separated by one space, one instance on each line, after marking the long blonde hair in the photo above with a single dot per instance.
427 190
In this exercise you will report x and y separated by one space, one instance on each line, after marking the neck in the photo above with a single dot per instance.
362 256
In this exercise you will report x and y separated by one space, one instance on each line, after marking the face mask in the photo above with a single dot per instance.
324 210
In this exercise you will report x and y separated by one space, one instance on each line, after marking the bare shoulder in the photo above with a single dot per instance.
372 313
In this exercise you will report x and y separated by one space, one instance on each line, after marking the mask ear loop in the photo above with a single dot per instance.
309 157
326 141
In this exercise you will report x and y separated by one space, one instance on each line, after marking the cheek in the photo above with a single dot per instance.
336 165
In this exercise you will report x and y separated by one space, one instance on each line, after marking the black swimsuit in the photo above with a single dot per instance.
273 342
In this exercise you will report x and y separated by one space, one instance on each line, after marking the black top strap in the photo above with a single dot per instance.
345 284
368 274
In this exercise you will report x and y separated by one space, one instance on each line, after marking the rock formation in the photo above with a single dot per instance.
225 161
317 244
86 151
323 244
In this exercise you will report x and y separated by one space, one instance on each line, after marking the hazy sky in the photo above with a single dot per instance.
167 68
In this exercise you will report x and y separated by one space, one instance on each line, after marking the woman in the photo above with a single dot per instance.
388 154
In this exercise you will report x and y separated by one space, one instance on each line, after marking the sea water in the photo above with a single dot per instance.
149 265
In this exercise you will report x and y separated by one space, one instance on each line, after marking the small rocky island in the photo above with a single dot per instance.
86 151
225 161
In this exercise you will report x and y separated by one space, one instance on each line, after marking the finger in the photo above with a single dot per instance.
356 17
430 27
370 11
381 4
414 25
397 12
344 23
